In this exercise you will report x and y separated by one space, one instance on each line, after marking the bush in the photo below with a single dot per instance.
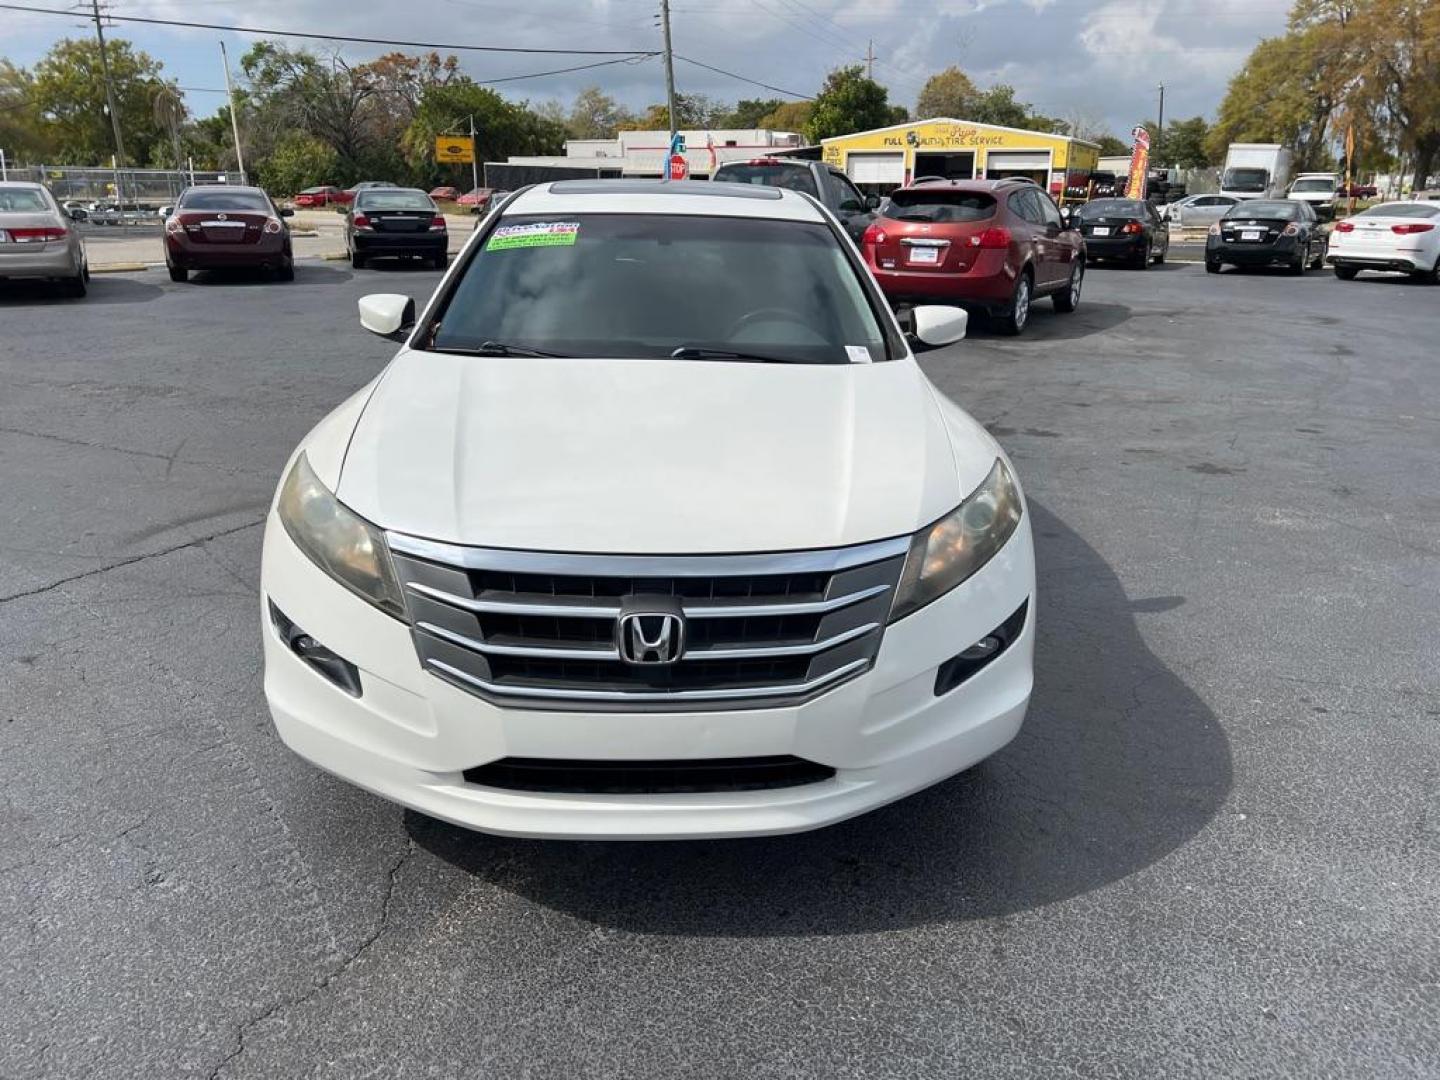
299 161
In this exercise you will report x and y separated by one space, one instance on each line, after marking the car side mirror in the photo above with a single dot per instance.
938 324
285 211
872 202
387 314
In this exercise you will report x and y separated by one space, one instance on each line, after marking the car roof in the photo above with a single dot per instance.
713 198
233 188
962 184
28 185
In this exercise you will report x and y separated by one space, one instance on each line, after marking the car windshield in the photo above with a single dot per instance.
691 287
224 200
1318 183
1245 179
376 199
794 177
940 204
26 200
1400 209
1111 208
1276 211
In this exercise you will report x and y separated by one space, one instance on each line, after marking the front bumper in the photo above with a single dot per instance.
410 737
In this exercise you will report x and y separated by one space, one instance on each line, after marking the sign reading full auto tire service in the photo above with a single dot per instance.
1139 163
454 149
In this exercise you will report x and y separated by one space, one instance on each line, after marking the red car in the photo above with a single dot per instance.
450 193
218 227
988 245
321 196
477 199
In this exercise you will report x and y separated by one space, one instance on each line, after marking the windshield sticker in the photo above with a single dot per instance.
541 234
858 354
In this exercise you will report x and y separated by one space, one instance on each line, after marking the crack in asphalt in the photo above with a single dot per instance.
131 561
320 985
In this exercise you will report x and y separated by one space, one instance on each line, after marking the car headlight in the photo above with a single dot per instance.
946 553
339 541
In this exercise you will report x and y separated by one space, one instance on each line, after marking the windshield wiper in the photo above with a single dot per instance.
695 352
494 348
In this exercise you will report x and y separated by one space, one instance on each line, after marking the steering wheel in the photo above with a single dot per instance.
759 314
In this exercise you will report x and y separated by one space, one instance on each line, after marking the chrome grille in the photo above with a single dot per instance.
538 630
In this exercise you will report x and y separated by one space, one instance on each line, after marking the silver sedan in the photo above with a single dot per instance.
1201 210
38 240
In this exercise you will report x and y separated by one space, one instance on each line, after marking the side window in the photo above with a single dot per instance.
847 197
1049 212
1020 206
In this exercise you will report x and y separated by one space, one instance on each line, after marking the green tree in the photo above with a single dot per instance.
20 134
502 128
692 112
68 96
848 102
1112 146
791 116
1285 93
997 105
298 161
597 115
948 93
1185 144
749 112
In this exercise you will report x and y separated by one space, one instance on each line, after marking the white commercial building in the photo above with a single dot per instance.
643 153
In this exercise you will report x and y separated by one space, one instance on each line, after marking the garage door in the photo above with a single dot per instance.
876 168
1016 160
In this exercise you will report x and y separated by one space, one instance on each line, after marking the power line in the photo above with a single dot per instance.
742 78
339 37
634 59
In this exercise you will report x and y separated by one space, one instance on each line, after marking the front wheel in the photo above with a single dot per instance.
1068 299
1018 313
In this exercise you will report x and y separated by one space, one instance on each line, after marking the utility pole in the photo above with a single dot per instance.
234 120
669 67
870 61
1160 126
109 85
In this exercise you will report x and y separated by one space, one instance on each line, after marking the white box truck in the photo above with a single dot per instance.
1256 171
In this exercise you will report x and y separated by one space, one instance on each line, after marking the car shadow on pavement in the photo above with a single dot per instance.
306 273
102 289
1119 764
1047 324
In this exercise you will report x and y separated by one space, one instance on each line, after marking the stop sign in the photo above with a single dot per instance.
679 167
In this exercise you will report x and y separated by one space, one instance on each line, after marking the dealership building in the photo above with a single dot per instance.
890 157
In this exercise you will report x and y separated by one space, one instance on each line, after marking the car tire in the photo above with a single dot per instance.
1144 263
286 271
1301 264
1012 322
1068 298
1211 266
74 286
1159 259
357 261
1427 277
178 273
1346 273
440 262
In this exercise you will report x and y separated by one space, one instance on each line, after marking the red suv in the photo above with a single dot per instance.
988 245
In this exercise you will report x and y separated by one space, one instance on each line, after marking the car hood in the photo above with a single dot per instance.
657 456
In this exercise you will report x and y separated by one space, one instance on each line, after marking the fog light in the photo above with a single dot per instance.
333 667
965 664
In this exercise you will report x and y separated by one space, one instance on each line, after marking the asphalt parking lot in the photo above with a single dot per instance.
1212 852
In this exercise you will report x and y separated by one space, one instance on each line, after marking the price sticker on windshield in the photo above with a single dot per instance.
538 234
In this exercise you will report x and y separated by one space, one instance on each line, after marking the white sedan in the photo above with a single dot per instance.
1403 236
652 528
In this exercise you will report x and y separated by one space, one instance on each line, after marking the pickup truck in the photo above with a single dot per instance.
832 187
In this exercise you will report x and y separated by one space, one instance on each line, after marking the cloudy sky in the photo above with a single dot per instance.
1099 59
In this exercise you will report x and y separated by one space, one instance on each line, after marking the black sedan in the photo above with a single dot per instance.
1126 229
1266 232
384 222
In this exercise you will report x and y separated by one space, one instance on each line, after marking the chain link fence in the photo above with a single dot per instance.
141 189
